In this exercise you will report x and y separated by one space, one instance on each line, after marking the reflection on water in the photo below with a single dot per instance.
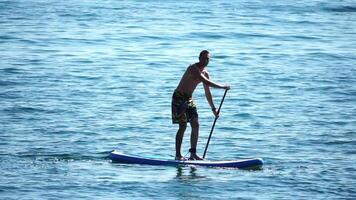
190 172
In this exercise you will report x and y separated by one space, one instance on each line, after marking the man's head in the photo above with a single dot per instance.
204 57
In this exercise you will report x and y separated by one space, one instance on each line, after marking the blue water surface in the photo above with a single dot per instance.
81 78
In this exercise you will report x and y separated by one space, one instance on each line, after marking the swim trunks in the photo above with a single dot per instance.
183 108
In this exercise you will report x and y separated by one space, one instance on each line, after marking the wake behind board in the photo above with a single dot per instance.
251 163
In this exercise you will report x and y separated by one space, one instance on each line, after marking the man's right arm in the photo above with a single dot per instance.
205 80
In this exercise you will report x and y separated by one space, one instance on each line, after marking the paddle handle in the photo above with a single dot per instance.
212 128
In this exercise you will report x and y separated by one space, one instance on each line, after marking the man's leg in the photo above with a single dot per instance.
194 138
179 139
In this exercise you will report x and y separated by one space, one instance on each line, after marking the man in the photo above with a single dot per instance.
183 107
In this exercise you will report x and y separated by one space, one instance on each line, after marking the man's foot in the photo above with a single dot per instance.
193 154
195 157
180 158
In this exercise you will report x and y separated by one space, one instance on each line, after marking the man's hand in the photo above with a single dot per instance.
215 112
226 87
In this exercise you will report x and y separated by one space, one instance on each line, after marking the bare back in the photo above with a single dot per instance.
189 81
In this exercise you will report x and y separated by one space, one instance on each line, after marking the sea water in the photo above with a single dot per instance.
81 78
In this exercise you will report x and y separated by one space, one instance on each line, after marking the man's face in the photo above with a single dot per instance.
204 59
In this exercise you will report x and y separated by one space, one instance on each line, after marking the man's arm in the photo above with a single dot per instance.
208 93
204 79
209 97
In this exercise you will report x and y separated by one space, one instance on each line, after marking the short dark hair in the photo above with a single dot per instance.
203 52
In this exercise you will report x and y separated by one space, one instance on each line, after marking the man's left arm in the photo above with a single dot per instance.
208 95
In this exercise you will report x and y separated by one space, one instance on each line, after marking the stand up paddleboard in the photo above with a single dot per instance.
251 163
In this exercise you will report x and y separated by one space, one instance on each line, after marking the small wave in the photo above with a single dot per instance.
83 61
221 57
232 129
29 41
255 35
304 22
11 70
323 55
351 152
243 115
209 35
66 157
245 100
303 37
7 83
4 38
341 9
23 109
341 142
48 157
80 16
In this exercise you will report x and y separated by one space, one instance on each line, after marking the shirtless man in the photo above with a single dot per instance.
183 107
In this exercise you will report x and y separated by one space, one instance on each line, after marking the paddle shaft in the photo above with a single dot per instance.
212 128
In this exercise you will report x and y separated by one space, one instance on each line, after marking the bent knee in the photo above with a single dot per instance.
182 126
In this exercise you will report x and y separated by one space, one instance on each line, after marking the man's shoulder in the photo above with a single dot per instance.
193 65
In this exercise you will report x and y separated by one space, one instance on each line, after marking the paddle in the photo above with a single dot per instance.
212 128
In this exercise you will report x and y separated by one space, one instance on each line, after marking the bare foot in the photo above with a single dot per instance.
180 158
195 157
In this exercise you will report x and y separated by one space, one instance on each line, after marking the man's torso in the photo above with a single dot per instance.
189 80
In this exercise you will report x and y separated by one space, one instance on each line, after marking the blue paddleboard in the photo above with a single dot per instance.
251 163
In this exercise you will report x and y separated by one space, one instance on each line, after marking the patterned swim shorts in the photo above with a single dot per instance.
183 108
